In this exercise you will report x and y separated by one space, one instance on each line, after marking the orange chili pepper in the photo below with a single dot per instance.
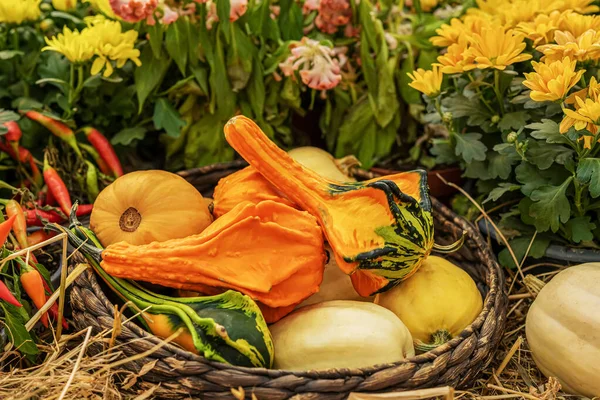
13 208
33 283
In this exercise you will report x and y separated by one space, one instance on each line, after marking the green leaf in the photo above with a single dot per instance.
167 117
551 206
501 190
588 171
514 120
201 75
206 143
290 20
176 43
239 62
520 245
53 65
223 12
256 89
469 146
368 66
426 58
532 178
547 130
8 54
149 75
8 116
387 104
128 135
477 170
368 27
461 106
443 151
580 229
220 85
156 34
17 333
544 154
500 166
193 39
409 95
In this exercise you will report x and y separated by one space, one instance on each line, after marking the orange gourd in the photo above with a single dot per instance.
146 206
380 230
244 185
269 251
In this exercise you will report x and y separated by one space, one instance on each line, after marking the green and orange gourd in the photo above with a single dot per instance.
380 230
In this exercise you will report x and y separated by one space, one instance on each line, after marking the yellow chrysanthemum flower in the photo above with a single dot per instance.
582 48
552 81
18 11
580 6
512 12
111 44
577 24
449 34
102 38
427 82
64 5
77 46
454 60
496 48
541 29
585 116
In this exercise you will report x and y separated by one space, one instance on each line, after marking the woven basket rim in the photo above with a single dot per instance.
494 301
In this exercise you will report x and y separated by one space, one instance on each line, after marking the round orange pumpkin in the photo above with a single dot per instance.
148 206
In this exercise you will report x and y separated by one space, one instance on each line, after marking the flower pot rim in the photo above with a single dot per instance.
554 251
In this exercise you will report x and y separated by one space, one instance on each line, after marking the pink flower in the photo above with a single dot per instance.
211 14
316 64
274 11
332 15
238 8
169 15
310 5
133 10
351 31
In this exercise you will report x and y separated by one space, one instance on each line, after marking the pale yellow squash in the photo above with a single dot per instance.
436 303
340 334
563 329
336 285
148 206
323 163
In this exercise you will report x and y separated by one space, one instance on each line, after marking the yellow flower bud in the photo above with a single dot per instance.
64 5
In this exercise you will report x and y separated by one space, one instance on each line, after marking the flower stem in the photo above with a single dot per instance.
578 191
480 94
497 90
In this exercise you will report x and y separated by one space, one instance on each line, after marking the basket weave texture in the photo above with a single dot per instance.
182 374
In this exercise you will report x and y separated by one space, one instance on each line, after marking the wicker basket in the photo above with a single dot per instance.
182 374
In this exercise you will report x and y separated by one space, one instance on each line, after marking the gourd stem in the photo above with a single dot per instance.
347 164
534 284
438 338
451 248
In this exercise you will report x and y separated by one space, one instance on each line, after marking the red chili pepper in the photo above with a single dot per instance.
57 187
13 136
24 157
39 237
59 129
33 283
34 217
105 149
20 224
5 228
97 159
7 296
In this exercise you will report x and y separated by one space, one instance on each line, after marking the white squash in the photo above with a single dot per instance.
340 334
336 285
563 329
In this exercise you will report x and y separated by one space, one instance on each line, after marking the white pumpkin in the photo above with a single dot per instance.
563 329
340 334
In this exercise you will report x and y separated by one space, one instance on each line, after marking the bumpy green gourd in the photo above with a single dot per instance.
228 327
